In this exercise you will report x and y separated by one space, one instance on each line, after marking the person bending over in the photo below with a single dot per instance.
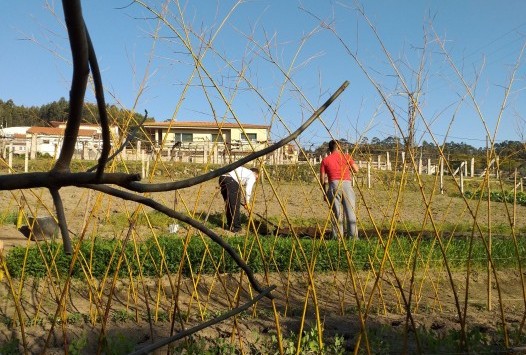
231 189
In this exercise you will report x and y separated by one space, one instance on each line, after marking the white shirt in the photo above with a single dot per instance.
244 177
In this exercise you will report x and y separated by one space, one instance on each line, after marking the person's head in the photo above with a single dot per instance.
333 145
255 171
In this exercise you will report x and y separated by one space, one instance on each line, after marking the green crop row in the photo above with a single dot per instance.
165 254
497 196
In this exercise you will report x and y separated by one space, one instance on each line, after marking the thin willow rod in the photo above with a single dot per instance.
195 281
216 271
492 149
387 257
186 257
141 276
90 283
289 272
442 250
427 267
131 294
490 243
237 300
16 299
129 137
319 326
380 292
286 75
417 250
175 290
246 253
300 248
361 316
62 299
302 321
228 103
511 220
197 59
150 348
274 306
139 187
112 289
159 291
338 285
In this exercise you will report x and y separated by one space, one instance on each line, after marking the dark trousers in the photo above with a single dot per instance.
232 196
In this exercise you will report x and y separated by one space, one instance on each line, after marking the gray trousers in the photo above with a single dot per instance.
343 201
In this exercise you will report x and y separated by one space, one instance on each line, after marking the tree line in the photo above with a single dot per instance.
12 115
512 154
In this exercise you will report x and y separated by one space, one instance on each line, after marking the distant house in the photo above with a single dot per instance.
182 141
197 141
194 131
48 140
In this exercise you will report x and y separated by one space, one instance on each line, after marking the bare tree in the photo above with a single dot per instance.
129 185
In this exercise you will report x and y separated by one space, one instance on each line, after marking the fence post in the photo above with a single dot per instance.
428 166
461 182
368 174
441 164
34 144
26 157
139 151
10 158
143 172
472 167
387 162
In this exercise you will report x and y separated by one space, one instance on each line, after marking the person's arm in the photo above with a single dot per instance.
354 167
323 180
251 180
352 164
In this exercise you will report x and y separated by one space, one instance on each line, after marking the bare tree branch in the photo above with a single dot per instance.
148 349
138 187
101 104
52 179
62 222
125 195
128 139
79 52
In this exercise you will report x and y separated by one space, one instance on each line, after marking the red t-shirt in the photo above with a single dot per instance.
337 166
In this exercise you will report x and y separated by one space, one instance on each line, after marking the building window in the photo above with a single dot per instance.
45 141
183 137
252 137
218 138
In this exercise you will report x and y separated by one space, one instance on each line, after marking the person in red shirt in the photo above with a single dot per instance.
336 171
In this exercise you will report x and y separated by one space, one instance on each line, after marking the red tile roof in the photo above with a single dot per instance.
84 124
53 131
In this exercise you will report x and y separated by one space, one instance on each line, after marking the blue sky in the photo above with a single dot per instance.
318 44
